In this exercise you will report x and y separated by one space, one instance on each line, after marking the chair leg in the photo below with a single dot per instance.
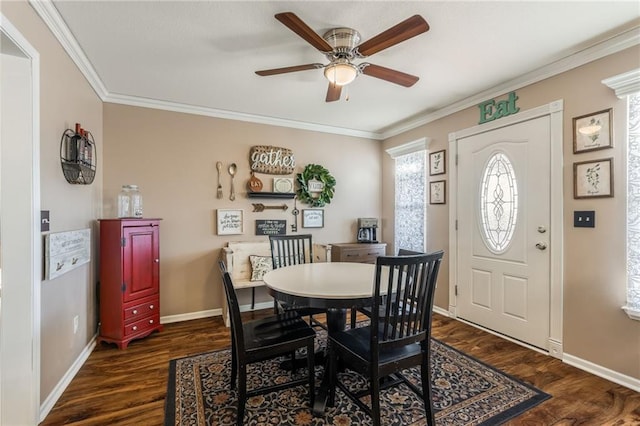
312 377
333 360
242 393
275 307
427 392
375 399
353 318
293 362
234 363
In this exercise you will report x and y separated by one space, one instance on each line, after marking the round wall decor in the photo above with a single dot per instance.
316 185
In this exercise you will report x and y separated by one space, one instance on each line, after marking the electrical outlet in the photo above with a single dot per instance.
75 324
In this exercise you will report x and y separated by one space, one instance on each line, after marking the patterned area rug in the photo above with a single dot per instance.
465 392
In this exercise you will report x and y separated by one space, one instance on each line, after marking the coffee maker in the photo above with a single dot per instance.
367 230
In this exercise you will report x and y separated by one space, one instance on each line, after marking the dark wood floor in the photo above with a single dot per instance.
127 387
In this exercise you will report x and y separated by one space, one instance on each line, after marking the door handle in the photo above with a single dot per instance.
541 246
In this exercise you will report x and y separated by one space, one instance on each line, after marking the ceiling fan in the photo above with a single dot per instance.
340 46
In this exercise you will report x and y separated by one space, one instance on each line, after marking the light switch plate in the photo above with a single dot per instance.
584 219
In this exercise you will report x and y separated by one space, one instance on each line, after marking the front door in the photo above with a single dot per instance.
503 190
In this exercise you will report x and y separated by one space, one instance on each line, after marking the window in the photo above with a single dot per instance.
410 195
628 85
633 208
498 202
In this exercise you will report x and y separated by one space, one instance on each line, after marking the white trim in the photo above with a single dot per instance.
408 148
439 310
633 314
34 237
61 386
571 60
555 111
597 370
613 45
211 313
624 84
231 115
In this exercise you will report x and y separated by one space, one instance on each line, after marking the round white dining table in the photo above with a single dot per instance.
334 286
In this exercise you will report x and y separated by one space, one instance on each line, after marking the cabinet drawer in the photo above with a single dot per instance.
362 255
142 324
142 310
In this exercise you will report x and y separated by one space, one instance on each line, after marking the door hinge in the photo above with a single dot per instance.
456 224
456 159
123 242
124 287
455 289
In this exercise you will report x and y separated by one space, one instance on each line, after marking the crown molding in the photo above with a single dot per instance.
232 115
624 84
629 38
49 14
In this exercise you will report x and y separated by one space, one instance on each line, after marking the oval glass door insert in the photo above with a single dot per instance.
498 203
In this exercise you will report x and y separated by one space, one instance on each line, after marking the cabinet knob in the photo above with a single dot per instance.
157 260
134 328
135 311
150 306
150 321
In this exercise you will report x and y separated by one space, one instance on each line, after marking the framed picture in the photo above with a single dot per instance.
437 192
592 131
230 222
283 185
437 163
593 179
313 218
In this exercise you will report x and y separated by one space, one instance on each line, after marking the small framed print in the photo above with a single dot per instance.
437 192
437 162
313 218
593 179
229 222
592 131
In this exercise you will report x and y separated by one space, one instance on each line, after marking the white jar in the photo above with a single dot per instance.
124 202
136 201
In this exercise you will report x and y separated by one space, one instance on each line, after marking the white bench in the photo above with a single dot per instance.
236 258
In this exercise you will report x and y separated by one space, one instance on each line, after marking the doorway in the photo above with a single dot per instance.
21 256
507 227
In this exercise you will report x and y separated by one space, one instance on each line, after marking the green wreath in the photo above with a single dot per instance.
317 172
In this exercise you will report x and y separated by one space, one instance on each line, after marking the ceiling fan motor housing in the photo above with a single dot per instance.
343 41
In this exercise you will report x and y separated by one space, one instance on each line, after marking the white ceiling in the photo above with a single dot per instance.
203 54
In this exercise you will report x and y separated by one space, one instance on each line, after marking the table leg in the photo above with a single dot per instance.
336 321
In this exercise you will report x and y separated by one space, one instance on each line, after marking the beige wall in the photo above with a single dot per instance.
65 98
172 157
595 328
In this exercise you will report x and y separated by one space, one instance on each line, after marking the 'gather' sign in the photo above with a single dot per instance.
272 160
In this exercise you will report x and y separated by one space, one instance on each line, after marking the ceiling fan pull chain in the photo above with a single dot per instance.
346 98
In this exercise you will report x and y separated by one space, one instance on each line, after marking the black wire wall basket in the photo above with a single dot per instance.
78 156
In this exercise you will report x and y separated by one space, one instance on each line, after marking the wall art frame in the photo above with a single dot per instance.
230 221
593 179
438 162
313 218
438 192
593 131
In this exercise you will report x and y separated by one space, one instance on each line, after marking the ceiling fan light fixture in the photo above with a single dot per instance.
341 73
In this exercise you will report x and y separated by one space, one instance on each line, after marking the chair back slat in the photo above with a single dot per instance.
237 333
287 250
403 304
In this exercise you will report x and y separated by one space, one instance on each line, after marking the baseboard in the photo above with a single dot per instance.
59 389
597 370
168 319
439 310
211 313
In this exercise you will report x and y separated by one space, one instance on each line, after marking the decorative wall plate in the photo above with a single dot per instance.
283 185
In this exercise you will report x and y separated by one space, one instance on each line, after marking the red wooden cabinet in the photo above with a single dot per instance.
129 279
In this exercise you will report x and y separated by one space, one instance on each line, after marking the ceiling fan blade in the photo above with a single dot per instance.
333 92
403 31
296 25
284 70
397 77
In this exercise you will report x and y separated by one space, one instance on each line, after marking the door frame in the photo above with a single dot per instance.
22 310
555 112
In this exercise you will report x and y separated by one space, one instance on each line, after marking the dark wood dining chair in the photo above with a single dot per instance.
366 310
287 250
264 339
395 339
